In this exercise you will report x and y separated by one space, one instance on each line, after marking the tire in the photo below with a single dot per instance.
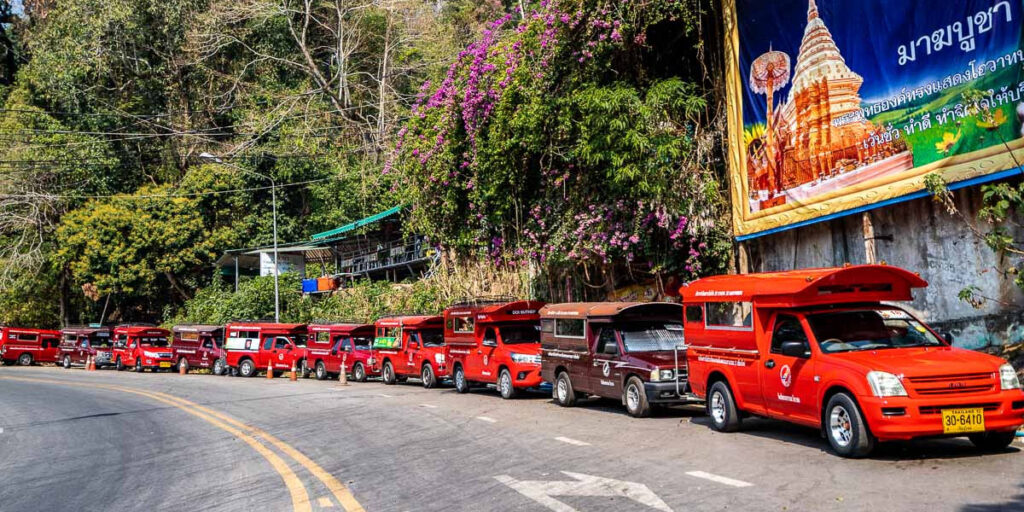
138 365
505 387
304 369
67 362
321 370
246 368
218 367
387 374
992 441
635 398
25 359
721 408
845 428
358 372
119 365
183 363
427 375
459 376
563 392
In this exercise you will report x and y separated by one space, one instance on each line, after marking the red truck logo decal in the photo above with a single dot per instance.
786 375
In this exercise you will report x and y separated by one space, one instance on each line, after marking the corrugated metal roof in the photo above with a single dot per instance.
357 224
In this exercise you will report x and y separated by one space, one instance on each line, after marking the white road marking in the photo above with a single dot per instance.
485 418
325 502
582 485
571 441
1 430
387 396
719 479
428 406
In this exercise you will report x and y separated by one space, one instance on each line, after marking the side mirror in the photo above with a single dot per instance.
948 336
288 348
794 349
334 351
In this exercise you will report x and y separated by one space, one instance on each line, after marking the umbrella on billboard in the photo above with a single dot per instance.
769 73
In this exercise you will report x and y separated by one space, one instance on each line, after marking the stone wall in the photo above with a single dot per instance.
925 239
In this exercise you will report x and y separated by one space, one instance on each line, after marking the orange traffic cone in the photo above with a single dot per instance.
270 371
292 376
343 374
181 369
90 363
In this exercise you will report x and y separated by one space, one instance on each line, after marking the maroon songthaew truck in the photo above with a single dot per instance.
79 343
200 346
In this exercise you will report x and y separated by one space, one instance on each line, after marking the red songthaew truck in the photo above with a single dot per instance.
494 342
200 346
827 349
410 346
79 343
253 347
142 347
332 344
27 346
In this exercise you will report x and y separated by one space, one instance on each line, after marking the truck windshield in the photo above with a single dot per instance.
869 329
153 342
99 341
522 333
432 337
299 340
651 336
361 342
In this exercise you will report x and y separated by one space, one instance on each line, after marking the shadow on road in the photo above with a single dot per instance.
1016 504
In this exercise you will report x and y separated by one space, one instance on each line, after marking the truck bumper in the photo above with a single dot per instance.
902 418
665 393
526 377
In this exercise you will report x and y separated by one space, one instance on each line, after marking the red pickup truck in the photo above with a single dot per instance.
142 347
200 346
410 346
494 343
79 343
253 347
827 349
331 344
27 346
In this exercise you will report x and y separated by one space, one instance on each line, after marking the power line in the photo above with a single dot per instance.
161 196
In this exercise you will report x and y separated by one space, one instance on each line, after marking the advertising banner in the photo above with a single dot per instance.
838 106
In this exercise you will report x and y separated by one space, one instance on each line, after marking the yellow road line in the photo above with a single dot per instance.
299 496
339 490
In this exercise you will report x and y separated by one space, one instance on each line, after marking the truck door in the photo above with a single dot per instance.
205 354
790 391
82 351
283 353
266 354
413 355
605 378
346 355
484 357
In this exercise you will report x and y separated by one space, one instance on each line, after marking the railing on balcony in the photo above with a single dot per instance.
393 254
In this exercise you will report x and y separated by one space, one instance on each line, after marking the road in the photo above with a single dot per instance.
105 440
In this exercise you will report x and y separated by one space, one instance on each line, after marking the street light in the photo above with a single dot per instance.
273 195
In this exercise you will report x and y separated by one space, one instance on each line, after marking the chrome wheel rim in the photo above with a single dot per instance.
460 379
25 360
506 383
247 368
563 390
387 372
718 407
320 370
632 397
426 374
840 426
359 372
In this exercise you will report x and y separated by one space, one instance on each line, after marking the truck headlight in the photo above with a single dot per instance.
439 358
525 358
1008 377
886 384
662 375
150 354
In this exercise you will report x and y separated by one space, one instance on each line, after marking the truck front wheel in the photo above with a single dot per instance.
564 395
387 374
358 372
246 368
321 370
119 365
505 386
67 362
427 376
722 408
992 441
636 399
846 429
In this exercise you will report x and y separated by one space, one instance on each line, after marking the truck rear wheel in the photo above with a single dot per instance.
459 376
321 370
564 395
246 368
25 360
218 367
505 387
387 374
722 408
67 362
119 365
635 397
427 375
358 372
304 370
992 441
846 429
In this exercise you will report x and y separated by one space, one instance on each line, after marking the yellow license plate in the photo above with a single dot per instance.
165 365
960 421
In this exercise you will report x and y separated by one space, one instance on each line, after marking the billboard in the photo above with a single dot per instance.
837 106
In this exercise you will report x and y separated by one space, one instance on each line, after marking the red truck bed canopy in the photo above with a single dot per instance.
343 329
411 321
796 288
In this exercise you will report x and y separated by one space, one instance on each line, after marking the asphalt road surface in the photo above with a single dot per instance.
77 440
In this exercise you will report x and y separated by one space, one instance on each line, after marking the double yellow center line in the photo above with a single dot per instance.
251 436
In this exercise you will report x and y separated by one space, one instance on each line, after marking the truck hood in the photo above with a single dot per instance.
529 349
660 359
923 361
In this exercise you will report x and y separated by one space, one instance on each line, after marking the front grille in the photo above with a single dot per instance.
953 384
937 409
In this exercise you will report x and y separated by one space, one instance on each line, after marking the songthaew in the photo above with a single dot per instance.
200 346
80 343
827 349
28 346
628 351
333 346
410 346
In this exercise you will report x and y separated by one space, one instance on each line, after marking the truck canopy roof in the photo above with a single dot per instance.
796 288
211 330
411 321
609 310
26 330
141 330
269 327
339 328
84 330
